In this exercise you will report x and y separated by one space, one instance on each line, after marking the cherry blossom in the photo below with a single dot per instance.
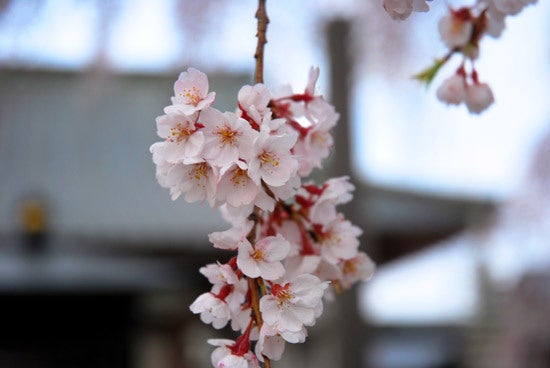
183 141
228 137
218 273
456 28
335 191
478 97
292 305
339 240
272 160
289 238
197 180
358 268
453 90
263 260
402 9
461 31
236 187
191 93
230 239
253 102
212 309
228 355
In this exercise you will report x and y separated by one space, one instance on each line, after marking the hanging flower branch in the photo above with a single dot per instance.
291 247
461 31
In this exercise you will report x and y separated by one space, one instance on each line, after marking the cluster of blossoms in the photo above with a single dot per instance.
461 31
291 246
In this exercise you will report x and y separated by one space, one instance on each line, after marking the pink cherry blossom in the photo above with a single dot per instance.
478 97
227 137
225 357
218 273
402 9
212 310
272 160
311 81
496 20
253 102
453 90
230 239
420 5
196 180
398 9
290 240
335 191
512 7
191 93
456 28
358 268
292 305
183 140
236 187
263 260
301 264
338 240
287 190
272 344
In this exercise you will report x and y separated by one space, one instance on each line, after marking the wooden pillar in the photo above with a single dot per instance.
341 68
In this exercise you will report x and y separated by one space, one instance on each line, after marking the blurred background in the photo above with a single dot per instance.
98 265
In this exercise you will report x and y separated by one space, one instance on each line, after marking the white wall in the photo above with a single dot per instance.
81 141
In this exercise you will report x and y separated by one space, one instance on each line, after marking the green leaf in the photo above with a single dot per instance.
427 75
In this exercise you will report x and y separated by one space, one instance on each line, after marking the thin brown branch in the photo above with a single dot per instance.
256 285
263 20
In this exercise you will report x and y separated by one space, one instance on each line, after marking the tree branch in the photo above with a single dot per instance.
263 20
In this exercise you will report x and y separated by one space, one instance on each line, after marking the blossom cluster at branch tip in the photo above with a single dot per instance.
461 31
286 233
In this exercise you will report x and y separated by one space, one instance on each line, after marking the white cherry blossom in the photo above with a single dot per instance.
224 355
212 310
289 238
263 260
230 239
253 101
292 305
272 160
197 180
183 139
218 273
335 191
402 9
191 93
236 187
227 137
358 268
338 240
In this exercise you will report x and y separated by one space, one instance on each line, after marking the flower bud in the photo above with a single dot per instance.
478 97
453 90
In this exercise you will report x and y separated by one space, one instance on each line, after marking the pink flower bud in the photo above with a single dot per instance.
478 97
453 90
